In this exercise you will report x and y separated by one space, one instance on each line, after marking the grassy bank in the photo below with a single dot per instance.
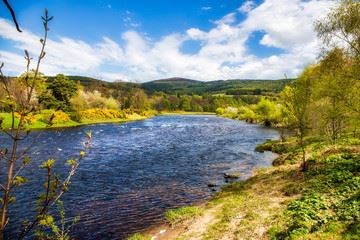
283 202
186 113
40 121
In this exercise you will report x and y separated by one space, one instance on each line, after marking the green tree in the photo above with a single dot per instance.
297 100
331 91
342 25
268 111
62 88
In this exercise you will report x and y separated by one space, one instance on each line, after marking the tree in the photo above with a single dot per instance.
297 100
62 88
340 30
342 25
331 91
19 100
268 111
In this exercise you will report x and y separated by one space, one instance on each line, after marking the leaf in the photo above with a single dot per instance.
46 220
26 161
18 181
12 199
82 153
71 162
48 164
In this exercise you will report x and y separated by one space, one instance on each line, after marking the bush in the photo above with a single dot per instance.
60 117
220 111
100 114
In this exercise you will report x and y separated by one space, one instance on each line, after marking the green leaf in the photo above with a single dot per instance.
18 181
48 163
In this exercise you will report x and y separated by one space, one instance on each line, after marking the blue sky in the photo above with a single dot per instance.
149 39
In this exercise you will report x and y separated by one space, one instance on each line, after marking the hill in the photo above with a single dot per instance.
230 87
190 86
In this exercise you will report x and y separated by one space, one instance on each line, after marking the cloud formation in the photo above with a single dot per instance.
224 51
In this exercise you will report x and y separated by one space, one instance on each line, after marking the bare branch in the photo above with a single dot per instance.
12 15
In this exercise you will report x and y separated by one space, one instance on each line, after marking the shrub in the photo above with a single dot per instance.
220 111
60 117
100 114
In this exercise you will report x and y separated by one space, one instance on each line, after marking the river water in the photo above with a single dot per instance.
135 171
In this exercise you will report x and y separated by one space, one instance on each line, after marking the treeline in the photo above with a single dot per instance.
323 101
60 99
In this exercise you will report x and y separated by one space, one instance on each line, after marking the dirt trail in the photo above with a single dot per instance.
240 212
191 230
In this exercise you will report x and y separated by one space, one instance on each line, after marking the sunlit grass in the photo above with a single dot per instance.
183 214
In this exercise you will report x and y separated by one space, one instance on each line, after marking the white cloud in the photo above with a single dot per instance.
227 19
223 52
247 6
206 8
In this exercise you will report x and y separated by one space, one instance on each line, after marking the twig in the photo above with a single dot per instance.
12 15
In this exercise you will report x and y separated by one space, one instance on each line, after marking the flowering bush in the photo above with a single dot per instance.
100 114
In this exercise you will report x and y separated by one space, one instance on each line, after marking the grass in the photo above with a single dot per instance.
182 215
40 123
283 202
186 113
138 236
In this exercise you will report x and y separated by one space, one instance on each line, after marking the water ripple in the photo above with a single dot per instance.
135 171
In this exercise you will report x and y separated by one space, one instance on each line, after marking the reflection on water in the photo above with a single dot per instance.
135 171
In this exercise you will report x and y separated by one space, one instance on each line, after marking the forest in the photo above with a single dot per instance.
68 100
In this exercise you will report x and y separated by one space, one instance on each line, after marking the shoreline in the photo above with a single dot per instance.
165 231
262 207
132 118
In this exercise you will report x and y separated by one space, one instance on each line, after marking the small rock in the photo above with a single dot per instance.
162 231
212 185
231 175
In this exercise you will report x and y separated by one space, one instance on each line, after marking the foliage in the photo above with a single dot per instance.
331 195
59 117
58 93
101 114
342 25
20 99
180 215
139 236
268 111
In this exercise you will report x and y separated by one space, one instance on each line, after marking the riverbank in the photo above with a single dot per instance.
282 202
39 122
186 113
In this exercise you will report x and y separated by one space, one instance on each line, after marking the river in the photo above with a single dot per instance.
135 171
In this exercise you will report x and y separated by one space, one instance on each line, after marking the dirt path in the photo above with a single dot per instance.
242 211
193 230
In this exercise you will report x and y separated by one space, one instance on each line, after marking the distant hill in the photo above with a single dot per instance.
190 86
231 87
171 85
